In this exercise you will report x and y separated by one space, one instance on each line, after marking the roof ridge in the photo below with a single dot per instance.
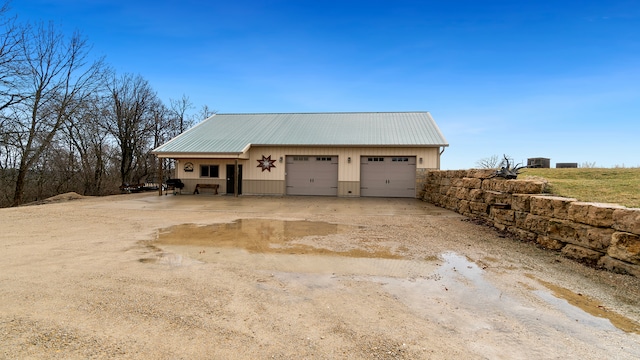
328 112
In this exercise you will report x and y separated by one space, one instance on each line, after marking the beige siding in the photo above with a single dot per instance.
347 171
195 174
190 185
349 188
190 179
253 172
263 187
257 181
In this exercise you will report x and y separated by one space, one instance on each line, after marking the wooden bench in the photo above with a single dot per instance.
206 186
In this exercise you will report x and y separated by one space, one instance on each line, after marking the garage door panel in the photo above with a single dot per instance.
312 175
389 176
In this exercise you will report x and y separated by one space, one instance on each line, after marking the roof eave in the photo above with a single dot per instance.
244 153
352 145
201 155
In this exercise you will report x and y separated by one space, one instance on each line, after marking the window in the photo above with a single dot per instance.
209 171
323 159
300 158
400 159
375 159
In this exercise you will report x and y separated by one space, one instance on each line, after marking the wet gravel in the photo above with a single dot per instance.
89 280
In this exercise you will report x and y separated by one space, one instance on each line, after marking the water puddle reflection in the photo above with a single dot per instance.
459 296
584 308
455 278
267 236
450 289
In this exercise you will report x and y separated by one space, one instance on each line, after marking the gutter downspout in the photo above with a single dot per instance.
439 155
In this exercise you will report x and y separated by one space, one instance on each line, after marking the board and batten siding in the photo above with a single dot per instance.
257 181
346 171
191 178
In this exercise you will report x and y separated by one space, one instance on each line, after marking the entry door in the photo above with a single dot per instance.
388 176
231 183
312 175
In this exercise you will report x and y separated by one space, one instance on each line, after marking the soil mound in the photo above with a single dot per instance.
65 197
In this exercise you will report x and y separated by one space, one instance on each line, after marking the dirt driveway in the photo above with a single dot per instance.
215 277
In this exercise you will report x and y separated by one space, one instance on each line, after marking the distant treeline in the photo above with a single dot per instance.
68 122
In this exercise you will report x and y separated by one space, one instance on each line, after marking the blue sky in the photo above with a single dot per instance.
555 79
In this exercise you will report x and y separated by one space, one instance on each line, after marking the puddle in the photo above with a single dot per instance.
586 304
322 247
267 236
455 276
459 296
450 290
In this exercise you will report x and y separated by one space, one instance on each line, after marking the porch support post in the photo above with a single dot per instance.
159 175
235 179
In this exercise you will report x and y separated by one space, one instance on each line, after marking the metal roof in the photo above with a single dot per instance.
235 133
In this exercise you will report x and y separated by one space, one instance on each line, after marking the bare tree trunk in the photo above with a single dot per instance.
131 120
19 189
60 81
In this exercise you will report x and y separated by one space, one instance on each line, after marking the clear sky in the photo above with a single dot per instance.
555 79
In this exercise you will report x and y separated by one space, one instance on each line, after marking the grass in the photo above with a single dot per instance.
614 185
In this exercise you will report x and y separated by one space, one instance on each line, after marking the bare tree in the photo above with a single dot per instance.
65 125
90 145
179 109
205 112
491 162
56 80
11 60
132 123
11 67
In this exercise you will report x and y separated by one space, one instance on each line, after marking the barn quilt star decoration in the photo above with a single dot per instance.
266 163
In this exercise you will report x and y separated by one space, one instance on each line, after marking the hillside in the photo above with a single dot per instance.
614 185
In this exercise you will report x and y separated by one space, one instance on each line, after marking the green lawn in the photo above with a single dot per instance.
615 185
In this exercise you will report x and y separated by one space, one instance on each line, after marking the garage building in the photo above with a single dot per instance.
381 154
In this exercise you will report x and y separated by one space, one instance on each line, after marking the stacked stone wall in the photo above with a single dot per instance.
603 235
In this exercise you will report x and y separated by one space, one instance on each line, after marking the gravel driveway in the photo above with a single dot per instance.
216 277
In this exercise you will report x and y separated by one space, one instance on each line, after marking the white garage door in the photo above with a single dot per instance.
312 175
388 176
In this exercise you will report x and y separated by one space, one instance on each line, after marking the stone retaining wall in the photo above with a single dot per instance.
603 235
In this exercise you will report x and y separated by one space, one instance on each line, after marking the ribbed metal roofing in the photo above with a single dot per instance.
233 133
